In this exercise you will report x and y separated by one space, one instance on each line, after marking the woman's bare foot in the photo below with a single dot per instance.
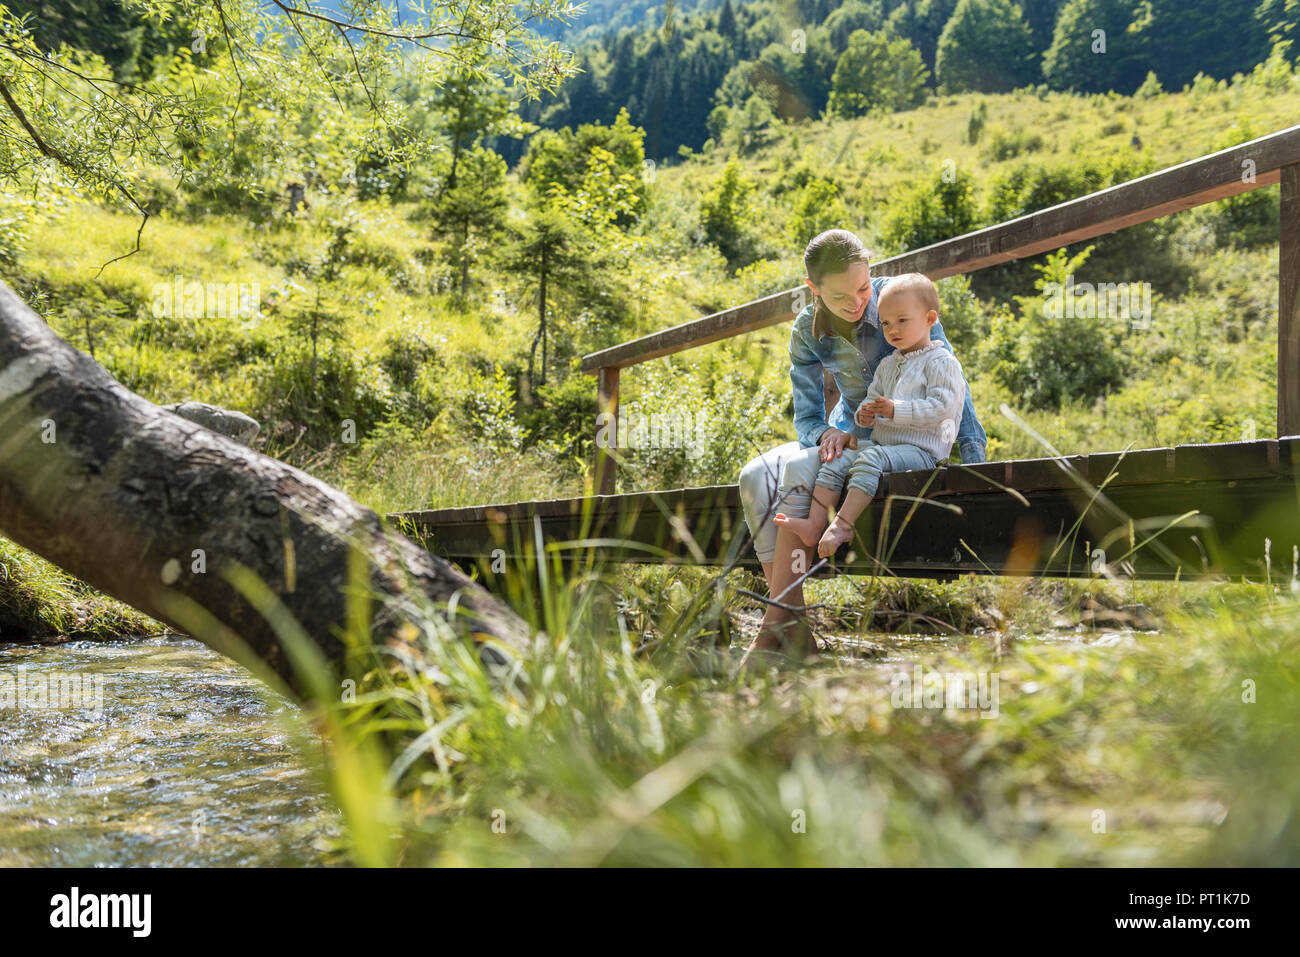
779 642
837 533
808 530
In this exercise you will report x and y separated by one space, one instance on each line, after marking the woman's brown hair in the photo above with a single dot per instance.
833 251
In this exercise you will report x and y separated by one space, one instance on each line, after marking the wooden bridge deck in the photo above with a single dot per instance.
1165 513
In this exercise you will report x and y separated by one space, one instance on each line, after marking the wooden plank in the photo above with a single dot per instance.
1288 456
760 314
1171 190
1028 475
1226 461
1226 534
915 482
1134 467
978 478
1288 304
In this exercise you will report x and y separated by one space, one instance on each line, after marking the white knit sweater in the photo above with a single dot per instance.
929 392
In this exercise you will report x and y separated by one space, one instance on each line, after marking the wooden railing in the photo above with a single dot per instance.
1261 162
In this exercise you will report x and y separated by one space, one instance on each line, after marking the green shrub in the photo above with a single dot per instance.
818 207
1143 252
1045 360
1005 145
564 419
932 211
725 212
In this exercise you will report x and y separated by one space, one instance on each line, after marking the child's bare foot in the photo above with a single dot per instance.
808 530
837 534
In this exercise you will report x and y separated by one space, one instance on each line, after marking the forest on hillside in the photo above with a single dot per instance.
694 77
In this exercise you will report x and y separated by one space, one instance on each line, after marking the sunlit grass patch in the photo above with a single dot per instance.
38 601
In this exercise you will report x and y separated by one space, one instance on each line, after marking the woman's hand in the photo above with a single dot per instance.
881 407
833 443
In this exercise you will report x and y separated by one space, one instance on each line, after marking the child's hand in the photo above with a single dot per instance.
864 417
881 407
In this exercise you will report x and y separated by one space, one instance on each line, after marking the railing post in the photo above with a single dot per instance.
1288 304
606 429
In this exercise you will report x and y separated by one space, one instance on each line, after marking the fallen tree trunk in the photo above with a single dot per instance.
157 510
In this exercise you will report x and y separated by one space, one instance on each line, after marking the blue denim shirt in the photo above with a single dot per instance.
852 365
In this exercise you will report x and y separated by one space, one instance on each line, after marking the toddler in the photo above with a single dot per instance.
913 407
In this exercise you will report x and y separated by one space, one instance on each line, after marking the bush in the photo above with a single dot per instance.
1046 360
961 314
975 123
1150 87
1142 252
564 420
931 212
818 207
1004 145
735 414
725 213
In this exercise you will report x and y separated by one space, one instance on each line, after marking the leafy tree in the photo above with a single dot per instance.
921 22
472 109
985 46
818 207
324 318
121 32
727 20
876 72
748 124
1075 60
552 252
932 211
472 210
281 85
725 212
1040 16
1185 37
563 158
849 18
1280 20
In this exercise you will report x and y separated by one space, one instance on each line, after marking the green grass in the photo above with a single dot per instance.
40 602
1108 748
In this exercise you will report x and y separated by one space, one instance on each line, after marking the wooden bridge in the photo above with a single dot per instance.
1220 509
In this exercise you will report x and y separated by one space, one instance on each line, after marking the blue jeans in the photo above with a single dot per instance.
863 466
782 480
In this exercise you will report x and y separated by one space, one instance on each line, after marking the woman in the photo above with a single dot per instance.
839 332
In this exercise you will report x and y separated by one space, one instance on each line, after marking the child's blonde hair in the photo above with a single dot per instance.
916 283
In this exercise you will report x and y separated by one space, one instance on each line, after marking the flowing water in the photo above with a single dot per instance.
174 755
161 752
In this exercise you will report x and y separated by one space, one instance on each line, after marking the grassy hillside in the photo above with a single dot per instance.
434 384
